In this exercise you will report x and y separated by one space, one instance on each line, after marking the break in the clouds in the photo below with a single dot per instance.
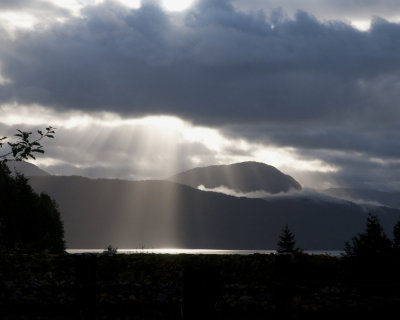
154 147
26 13
308 81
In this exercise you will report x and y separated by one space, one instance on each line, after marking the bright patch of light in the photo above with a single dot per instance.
134 4
176 5
231 192
14 20
153 146
76 121
209 137
74 6
47 162
37 115
3 80
284 158
384 162
177 251
362 25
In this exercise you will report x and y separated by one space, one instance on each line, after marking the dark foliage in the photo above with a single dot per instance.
29 222
24 147
373 242
154 286
287 242
396 237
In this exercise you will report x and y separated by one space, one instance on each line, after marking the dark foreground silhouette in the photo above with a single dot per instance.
150 286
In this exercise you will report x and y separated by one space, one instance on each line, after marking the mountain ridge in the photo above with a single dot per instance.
391 199
161 213
26 168
248 176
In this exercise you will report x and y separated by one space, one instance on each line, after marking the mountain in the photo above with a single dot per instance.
26 168
242 177
128 214
391 199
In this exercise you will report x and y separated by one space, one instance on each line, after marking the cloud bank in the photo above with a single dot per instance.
231 192
212 64
321 87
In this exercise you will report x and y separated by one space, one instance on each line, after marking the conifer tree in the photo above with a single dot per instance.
396 237
287 242
372 242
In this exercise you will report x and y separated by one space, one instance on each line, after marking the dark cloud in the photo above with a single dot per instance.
373 141
221 65
328 9
361 172
319 86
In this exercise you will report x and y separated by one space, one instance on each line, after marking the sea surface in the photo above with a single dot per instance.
336 253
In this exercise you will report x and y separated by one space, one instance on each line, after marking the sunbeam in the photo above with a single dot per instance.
103 144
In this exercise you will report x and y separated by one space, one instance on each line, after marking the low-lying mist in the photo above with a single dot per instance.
310 194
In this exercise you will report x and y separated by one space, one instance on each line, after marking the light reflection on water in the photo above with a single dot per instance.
336 253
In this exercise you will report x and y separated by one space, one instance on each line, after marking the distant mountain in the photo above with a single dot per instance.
391 199
243 177
26 168
128 214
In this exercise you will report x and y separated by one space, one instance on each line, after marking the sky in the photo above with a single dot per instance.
146 89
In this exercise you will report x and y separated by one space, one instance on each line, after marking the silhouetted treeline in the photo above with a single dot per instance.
29 222
373 258
373 242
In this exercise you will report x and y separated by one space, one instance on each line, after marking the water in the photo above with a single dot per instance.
335 253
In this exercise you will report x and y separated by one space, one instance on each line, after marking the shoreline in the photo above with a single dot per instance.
334 253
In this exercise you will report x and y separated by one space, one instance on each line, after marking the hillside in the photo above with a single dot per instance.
391 199
242 177
26 168
129 214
